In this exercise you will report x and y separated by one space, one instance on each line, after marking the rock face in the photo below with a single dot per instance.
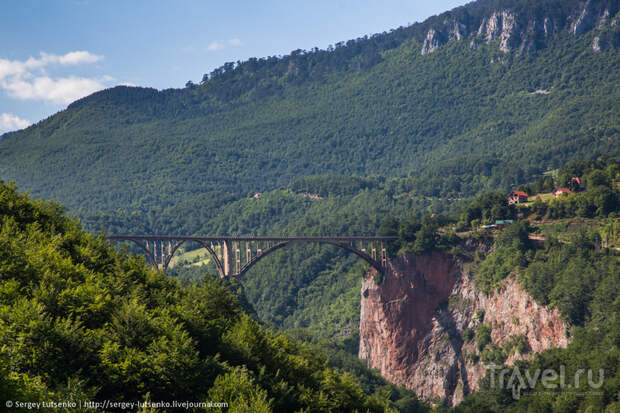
412 324
503 26
432 42
524 34
586 19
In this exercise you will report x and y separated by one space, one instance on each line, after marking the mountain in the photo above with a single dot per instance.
483 96
405 123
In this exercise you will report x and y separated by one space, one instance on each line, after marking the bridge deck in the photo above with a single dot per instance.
247 238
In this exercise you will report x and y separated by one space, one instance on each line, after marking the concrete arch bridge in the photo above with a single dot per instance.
234 256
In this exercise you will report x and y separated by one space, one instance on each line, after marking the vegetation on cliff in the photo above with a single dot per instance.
577 275
581 280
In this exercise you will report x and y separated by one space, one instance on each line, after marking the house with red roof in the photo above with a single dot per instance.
516 197
561 191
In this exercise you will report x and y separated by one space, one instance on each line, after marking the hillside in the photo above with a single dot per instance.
518 88
80 322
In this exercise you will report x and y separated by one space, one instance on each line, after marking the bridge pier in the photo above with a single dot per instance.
226 257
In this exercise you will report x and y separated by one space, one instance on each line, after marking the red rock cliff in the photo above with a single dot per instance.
412 324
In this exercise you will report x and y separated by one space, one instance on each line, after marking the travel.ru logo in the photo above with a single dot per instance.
519 380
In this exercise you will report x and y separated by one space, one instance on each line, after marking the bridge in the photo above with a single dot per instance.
234 256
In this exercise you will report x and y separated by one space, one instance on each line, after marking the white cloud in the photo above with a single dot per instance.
78 57
235 42
10 122
11 68
28 79
213 46
19 68
62 90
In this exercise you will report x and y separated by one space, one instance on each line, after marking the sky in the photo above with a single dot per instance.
54 52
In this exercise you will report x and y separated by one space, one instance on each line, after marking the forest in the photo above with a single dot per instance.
81 321
71 305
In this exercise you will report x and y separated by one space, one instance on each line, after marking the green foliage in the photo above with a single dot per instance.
580 280
241 393
485 209
511 252
468 334
79 320
343 360
483 336
331 185
567 275
417 235
597 196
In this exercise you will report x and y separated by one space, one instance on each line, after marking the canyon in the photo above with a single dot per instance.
423 322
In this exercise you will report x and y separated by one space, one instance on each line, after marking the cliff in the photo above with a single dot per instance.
426 326
528 30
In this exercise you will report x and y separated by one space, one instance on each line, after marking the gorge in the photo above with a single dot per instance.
415 322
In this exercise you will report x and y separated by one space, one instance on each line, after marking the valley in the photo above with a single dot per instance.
378 226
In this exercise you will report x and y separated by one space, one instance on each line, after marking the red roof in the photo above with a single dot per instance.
519 193
563 190
575 179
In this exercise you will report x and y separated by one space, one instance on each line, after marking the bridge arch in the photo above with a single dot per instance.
374 263
159 249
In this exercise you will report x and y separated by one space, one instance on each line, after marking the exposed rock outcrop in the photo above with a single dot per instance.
432 42
500 25
586 19
412 324
457 31
450 31
596 44
523 34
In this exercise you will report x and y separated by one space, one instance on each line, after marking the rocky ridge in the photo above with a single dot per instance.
528 34
420 326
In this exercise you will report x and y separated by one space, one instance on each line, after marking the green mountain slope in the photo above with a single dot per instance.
259 125
80 322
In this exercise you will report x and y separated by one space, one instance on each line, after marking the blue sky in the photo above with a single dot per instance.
53 52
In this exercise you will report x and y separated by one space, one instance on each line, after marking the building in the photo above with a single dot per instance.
502 223
561 191
516 197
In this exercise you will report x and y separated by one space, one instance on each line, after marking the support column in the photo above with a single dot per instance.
155 255
227 257
237 257
383 256
168 255
149 257
162 257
